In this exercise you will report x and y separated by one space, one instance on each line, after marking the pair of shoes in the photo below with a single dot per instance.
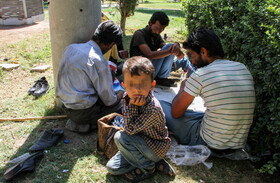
80 128
139 174
164 167
24 164
166 82
40 87
48 139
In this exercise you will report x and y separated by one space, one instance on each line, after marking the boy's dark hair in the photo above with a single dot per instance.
137 63
108 32
206 38
161 17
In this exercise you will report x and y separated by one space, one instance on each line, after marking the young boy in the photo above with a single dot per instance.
144 141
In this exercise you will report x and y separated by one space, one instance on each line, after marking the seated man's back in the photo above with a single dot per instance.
229 96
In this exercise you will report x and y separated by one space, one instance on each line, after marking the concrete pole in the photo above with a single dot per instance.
24 9
71 21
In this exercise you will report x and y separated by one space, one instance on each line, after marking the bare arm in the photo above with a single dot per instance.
172 50
181 102
145 49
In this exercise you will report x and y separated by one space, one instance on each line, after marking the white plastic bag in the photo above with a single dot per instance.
189 155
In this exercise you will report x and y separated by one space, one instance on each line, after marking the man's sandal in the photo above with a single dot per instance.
164 167
138 174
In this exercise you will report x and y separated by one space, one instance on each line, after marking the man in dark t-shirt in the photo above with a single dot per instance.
147 42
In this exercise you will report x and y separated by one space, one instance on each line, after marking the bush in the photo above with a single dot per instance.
250 33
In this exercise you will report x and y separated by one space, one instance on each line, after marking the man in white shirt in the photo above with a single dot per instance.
85 84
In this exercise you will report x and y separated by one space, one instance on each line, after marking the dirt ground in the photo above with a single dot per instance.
13 33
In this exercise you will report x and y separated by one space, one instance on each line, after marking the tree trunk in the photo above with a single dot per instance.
123 20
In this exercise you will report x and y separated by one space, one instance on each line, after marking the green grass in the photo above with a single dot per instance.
176 29
160 5
30 52
46 12
79 158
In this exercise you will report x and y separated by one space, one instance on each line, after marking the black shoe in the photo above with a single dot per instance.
43 88
27 164
232 154
48 139
36 86
166 82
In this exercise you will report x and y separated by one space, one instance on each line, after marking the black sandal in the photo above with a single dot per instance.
138 174
164 167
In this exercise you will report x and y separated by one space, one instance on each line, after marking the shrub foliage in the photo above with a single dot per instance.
250 33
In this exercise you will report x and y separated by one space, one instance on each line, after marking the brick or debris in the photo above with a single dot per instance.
8 67
40 68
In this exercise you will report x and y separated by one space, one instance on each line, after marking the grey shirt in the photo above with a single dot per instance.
84 76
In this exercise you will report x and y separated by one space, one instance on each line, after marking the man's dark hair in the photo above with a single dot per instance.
108 32
206 38
135 64
161 17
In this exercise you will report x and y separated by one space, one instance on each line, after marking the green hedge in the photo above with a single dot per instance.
250 33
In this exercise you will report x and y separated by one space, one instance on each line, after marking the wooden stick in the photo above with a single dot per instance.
13 135
33 118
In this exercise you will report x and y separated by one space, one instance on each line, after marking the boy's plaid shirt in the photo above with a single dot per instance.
149 122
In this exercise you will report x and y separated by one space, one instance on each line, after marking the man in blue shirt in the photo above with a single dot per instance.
85 84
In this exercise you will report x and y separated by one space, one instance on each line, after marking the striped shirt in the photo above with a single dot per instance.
147 121
227 89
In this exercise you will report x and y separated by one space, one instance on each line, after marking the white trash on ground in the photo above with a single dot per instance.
188 155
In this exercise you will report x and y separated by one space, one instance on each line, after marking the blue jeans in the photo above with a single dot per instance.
133 153
163 66
185 64
185 128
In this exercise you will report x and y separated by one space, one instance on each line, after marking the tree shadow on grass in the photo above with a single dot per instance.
79 160
59 160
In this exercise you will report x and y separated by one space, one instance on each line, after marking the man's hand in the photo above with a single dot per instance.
123 54
181 102
183 83
176 50
139 100
119 95
180 55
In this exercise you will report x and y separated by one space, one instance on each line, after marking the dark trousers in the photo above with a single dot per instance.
92 114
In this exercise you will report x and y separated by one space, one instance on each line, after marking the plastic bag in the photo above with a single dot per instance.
118 121
189 155
117 86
